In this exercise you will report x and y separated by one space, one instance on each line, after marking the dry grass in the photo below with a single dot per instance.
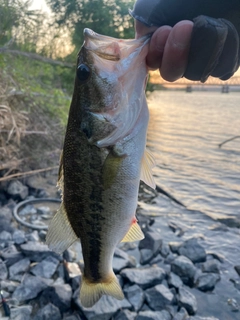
30 138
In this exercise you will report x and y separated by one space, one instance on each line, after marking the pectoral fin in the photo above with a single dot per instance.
134 234
60 234
111 167
148 163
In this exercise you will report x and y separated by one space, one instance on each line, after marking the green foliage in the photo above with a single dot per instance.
108 17
20 24
42 83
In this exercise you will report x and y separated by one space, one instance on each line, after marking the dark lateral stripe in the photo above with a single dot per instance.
92 261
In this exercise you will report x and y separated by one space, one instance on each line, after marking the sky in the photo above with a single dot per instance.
39 5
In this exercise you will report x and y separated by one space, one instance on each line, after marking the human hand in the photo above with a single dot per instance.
190 39
168 49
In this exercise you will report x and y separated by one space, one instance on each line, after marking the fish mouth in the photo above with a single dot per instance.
110 48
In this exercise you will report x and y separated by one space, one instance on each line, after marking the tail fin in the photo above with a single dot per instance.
91 292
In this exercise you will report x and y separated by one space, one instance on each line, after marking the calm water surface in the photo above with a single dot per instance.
185 130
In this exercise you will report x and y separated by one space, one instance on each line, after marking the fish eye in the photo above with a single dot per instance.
83 72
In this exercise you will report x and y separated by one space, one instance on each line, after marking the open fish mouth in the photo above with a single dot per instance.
114 49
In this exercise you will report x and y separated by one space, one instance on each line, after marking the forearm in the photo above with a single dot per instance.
169 12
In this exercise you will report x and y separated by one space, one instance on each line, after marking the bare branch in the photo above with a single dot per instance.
221 144
36 57
27 173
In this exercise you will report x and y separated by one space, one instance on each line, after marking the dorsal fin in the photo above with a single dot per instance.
148 162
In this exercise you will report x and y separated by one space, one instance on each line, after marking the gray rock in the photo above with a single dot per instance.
59 295
33 236
236 283
58 281
181 315
122 260
17 190
135 296
203 318
6 214
207 281
184 268
159 297
71 271
104 309
151 315
237 268
193 250
21 313
125 304
159 261
174 246
127 246
174 280
177 228
46 268
43 210
6 219
149 246
5 236
212 266
19 268
3 270
30 287
5 294
164 249
234 305
145 307
125 315
37 251
10 255
42 235
187 300
146 277
69 255
19 237
28 209
72 317
8 285
48 312
170 258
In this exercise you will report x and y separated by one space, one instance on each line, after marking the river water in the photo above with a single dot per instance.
184 132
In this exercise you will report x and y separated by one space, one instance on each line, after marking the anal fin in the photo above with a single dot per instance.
60 234
134 234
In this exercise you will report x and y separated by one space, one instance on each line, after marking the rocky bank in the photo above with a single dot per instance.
161 280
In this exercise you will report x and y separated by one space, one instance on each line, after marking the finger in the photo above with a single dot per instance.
228 61
175 55
156 48
208 39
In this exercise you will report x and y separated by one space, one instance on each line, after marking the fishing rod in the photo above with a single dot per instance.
6 307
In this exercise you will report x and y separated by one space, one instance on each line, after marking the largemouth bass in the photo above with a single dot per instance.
103 159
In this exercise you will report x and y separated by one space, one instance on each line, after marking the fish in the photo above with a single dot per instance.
103 159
